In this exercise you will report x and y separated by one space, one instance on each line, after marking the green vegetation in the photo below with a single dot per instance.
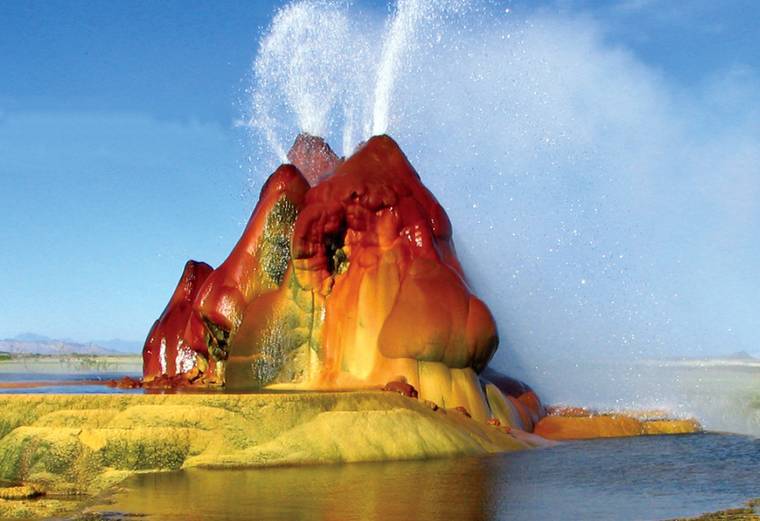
277 341
93 363
217 340
340 261
274 246
67 364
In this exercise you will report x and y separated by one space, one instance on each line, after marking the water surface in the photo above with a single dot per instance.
657 477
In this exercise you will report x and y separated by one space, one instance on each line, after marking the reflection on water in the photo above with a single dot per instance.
625 479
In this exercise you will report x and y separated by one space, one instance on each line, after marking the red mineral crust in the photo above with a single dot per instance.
396 238
243 276
178 334
313 157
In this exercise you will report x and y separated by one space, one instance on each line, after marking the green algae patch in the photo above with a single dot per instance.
92 418
68 448
21 492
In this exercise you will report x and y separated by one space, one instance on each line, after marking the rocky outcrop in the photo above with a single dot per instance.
176 343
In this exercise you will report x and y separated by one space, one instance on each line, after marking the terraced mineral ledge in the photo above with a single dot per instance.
76 446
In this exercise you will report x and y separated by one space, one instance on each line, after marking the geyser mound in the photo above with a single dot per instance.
346 277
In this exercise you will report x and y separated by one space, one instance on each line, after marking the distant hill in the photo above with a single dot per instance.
31 337
34 344
739 355
52 347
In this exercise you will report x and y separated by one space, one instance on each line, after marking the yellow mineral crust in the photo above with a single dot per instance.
577 427
447 387
81 444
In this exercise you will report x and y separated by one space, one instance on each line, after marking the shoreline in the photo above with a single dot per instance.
749 511
71 448
83 445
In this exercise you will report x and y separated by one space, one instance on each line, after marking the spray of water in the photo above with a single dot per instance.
589 202
325 72
401 39
306 72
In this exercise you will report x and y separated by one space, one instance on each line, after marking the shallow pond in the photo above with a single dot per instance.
656 477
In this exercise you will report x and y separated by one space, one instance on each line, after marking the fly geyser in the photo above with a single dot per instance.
345 278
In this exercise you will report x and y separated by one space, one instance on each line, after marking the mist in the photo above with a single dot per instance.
606 213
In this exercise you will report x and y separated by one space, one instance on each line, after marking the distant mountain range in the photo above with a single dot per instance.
34 344
736 359
739 355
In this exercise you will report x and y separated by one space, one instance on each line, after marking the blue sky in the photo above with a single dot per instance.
120 156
